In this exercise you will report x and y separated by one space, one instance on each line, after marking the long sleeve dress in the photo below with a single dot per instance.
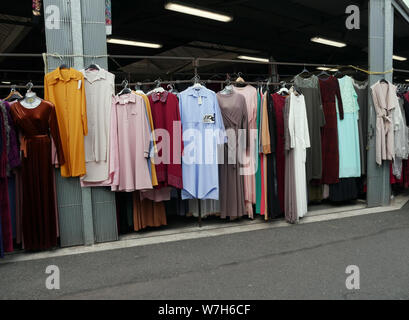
331 95
348 134
250 93
130 144
38 211
234 112
300 142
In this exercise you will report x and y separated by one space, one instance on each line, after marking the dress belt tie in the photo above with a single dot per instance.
23 142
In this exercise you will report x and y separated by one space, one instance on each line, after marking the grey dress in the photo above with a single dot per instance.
231 183
290 197
316 120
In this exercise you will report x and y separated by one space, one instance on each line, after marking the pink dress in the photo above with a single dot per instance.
130 144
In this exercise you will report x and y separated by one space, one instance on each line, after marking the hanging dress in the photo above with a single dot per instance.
330 93
250 93
348 133
234 112
310 88
361 89
38 211
300 142
279 103
2 153
130 144
290 198
273 201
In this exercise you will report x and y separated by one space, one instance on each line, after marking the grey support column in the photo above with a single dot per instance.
85 215
380 59
95 44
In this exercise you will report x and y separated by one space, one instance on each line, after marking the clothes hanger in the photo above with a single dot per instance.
283 88
172 89
240 82
338 74
30 100
158 88
13 95
125 89
138 88
196 81
228 89
304 71
383 80
93 66
323 73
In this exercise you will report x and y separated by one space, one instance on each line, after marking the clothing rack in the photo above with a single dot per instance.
195 63
195 60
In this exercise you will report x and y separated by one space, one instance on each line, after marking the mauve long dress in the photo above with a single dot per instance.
234 112
330 93
38 212
250 94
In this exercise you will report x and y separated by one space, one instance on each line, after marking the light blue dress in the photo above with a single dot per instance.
203 131
348 134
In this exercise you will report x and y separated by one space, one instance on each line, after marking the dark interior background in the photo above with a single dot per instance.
263 28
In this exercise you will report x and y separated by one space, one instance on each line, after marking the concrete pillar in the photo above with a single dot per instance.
380 59
86 215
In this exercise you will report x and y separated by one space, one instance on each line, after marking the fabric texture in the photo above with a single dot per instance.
234 112
273 206
310 88
385 101
166 119
130 144
300 142
279 104
99 91
331 95
65 89
290 199
250 94
147 213
203 131
361 89
348 133
39 218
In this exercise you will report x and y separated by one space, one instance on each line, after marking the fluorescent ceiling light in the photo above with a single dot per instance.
407 80
253 59
6 82
194 11
327 69
134 43
399 58
328 42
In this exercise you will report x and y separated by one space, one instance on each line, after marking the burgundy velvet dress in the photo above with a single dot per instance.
279 104
330 93
38 211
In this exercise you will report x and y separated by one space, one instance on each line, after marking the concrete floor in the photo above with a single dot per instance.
306 261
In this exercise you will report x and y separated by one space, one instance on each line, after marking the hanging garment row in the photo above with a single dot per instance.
302 144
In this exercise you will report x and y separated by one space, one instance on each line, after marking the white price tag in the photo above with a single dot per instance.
79 84
200 100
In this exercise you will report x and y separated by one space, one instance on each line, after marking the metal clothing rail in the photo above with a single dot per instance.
195 60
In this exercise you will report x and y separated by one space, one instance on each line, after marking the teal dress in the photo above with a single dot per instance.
348 133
